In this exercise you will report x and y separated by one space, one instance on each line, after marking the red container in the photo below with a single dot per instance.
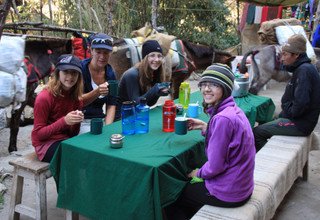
168 116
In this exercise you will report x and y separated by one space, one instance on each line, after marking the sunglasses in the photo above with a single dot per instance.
108 42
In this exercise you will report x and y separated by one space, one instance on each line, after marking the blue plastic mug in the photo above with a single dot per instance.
194 110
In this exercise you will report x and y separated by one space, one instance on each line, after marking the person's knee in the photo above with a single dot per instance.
257 131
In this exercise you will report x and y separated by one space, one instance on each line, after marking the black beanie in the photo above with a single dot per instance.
150 46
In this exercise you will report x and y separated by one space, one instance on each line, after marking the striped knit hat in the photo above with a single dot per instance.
220 74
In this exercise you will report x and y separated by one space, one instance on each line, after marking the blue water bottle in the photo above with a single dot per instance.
142 117
128 116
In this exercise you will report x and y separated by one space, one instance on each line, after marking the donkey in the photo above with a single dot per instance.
40 58
266 66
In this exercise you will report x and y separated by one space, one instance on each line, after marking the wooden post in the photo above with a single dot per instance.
3 14
109 17
50 11
80 12
238 13
41 6
154 14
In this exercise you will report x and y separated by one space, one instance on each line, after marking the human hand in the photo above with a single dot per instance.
74 117
103 89
193 173
196 124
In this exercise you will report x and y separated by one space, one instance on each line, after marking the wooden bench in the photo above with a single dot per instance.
277 165
29 167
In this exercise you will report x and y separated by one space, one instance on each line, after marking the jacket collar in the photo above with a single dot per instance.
303 58
224 104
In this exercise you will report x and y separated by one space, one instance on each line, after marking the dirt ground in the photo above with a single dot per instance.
302 201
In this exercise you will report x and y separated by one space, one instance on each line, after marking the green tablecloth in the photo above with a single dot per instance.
257 108
133 182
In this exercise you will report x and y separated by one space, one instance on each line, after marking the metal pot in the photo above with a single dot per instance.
116 141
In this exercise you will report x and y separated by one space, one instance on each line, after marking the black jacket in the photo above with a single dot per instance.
301 100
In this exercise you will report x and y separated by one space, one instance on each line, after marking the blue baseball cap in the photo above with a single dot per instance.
69 62
102 41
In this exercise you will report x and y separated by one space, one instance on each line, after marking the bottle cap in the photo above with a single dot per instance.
169 102
143 100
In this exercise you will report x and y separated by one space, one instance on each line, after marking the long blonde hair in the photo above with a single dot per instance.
146 74
55 86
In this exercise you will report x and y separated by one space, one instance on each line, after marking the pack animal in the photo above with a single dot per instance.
266 66
196 57
40 57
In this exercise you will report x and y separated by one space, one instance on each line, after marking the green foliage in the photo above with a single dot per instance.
199 21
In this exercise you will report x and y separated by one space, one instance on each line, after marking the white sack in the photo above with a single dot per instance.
284 32
6 88
13 88
20 85
11 53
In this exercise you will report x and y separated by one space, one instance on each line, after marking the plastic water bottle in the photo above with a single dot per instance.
168 116
184 94
142 117
128 116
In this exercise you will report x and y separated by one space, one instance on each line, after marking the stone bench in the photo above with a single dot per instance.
277 165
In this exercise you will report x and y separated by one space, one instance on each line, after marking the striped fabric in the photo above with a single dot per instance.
278 164
219 73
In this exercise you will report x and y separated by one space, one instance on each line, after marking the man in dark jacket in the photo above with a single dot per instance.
300 102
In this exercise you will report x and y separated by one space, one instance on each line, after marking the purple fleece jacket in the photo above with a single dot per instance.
230 150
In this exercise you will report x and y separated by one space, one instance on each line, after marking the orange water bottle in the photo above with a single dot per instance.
168 116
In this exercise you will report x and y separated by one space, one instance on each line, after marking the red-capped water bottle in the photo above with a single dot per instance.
168 116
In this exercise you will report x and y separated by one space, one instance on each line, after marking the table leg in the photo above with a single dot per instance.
71 215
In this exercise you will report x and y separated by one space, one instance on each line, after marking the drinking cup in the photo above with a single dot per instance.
181 125
96 126
113 87
194 110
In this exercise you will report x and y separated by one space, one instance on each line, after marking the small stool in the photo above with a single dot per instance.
29 167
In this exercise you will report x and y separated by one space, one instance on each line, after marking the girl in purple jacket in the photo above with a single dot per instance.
229 147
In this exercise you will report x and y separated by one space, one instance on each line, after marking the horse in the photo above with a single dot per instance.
196 57
266 65
40 57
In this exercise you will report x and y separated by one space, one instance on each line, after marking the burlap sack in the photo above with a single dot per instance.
267 34
150 34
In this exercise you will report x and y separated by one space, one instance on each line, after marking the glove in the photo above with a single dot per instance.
164 88
196 180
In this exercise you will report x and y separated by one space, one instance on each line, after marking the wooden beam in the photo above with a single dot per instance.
35 36
39 26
